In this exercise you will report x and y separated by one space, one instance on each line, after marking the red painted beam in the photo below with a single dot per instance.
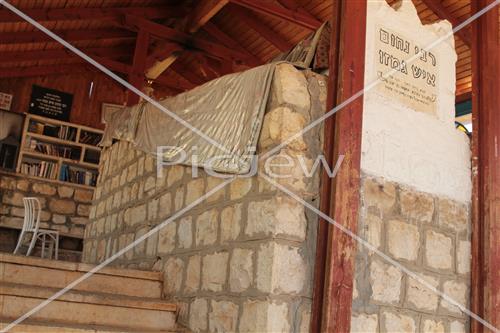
93 13
186 40
228 41
162 51
203 12
136 76
345 192
260 27
485 273
42 70
69 35
282 13
437 7
103 52
168 81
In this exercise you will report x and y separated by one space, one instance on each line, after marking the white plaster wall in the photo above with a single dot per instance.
403 145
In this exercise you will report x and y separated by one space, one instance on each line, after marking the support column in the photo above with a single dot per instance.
340 249
485 285
136 77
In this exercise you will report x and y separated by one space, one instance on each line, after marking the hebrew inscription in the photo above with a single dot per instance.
408 72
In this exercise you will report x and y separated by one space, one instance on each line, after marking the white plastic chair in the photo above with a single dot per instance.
32 211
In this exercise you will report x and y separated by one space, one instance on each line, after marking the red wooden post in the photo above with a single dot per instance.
485 284
344 197
136 77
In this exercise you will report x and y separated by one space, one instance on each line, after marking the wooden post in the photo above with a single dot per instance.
136 77
485 284
344 197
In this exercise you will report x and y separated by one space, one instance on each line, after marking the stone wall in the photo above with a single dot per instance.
243 259
416 188
64 207
426 233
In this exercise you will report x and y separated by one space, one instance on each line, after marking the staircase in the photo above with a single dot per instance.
111 300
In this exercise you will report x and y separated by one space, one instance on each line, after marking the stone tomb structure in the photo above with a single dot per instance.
243 259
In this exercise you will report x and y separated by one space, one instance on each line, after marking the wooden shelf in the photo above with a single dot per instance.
77 166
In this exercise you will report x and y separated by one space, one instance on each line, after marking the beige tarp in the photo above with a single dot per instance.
230 110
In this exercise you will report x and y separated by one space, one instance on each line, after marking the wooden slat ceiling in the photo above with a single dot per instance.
261 34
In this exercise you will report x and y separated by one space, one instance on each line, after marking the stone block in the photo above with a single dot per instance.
281 269
44 189
62 206
403 240
433 326
230 220
463 257
149 163
379 194
264 316
206 228
223 317
289 88
150 184
83 210
373 230
453 215
419 296
185 232
214 271
193 274
58 219
179 199
398 322
280 124
140 248
7 183
153 209
213 182
132 172
14 199
240 187
438 250
84 196
198 315
165 208
241 270
23 185
117 199
166 238
457 291
152 245
173 274
457 327
195 190
364 323
278 215
417 206
137 214
175 173
385 281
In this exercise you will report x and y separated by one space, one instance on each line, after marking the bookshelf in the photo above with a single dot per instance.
58 151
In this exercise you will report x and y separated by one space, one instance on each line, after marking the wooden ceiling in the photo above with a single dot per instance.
180 44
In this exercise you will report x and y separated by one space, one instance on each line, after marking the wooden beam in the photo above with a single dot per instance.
345 193
102 52
260 27
437 7
203 12
93 13
169 81
136 76
9 72
268 8
69 35
161 58
186 40
228 41
485 273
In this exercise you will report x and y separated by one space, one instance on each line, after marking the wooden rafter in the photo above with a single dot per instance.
228 41
260 27
93 13
437 7
203 12
186 40
102 52
68 35
136 75
300 18
42 70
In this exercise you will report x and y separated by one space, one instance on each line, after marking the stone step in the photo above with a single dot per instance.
84 308
58 274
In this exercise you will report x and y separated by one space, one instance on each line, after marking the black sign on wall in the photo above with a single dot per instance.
50 103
